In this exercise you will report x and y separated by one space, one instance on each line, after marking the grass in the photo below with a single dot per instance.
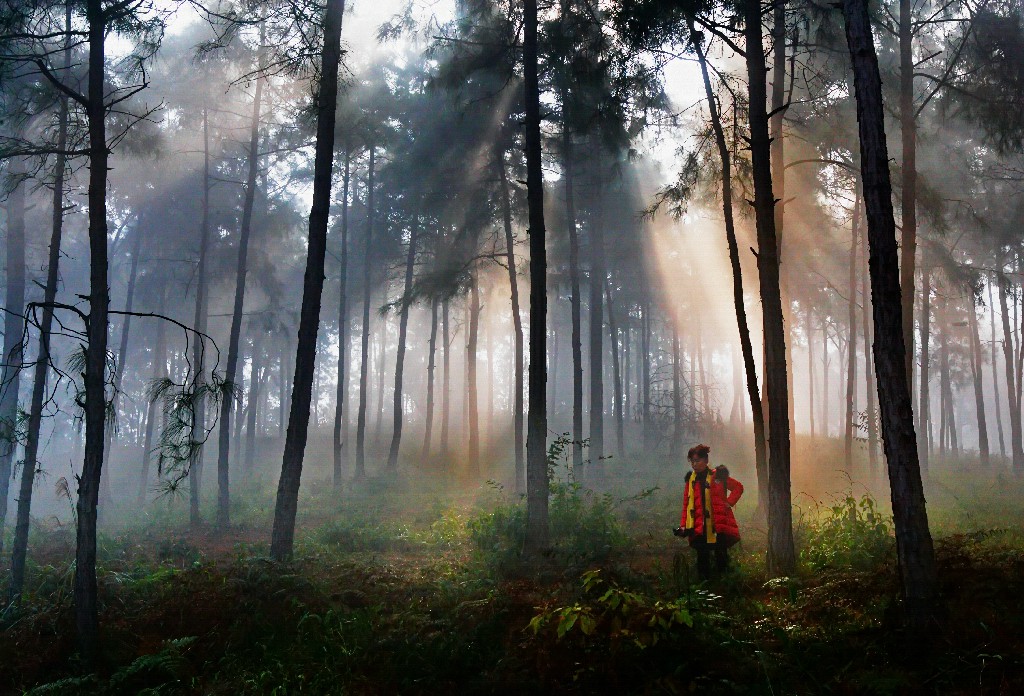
409 587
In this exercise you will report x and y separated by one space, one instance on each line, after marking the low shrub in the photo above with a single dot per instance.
851 534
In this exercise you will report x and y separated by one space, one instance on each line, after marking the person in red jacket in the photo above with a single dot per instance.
707 520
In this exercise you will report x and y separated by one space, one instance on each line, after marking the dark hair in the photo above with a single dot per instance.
699 452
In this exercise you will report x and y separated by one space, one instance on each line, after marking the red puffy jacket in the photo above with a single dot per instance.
725 493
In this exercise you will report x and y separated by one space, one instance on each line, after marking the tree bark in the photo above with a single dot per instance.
781 551
472 402
431 356
995 372
446 385
364 358
517 326
227 404
913 538
403 332
85 589
596 325
908 128
341 393
613 342
257 371
1011 390
810 368
537 421
851 354
574 300
677 397
312 288
976 373
159 373
869 369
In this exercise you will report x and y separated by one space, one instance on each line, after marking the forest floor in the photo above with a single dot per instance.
413 588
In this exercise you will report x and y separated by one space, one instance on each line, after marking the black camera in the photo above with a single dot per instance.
682 533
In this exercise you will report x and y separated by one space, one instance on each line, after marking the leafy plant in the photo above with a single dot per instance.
853 534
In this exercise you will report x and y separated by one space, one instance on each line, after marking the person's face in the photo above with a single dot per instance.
699 464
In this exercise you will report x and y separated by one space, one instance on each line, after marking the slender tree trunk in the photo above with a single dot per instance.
537 420
945 403
256 373
574 299
14 334
227 404
471 376
613 342
851 356
913 538
977 360
596 326
364 358
403 332
517 326
42 364
1011 389
995 372
159 374
869 369
677 397
908 128
431 354
312 288
781 551
85 589
341 393
824 380
446 384
645 366
810 369
382 340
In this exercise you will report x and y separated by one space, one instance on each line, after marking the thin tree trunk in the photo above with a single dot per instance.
781 550
341 393
85 588
976 372
913 538
574 300
1011 389
446 384
824 382
677 397
613 342
596 325
431 353
227 404
471 376
517 327
256 373
364 358
945 403
851 356
869 369
312 287
924 409
42 365
159 374
537 421
403 332
14 329
995 372
810 369
908 128
645 365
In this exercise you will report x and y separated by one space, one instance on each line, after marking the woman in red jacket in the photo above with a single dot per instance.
707 520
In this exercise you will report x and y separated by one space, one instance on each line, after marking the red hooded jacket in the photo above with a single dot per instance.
725 493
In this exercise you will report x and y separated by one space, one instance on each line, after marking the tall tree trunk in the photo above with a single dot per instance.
913 538
364 358
677 397
1011 389
537 420
824 379
995 372
644 364
446 383
908 128
42 365
14 330
924 395
85 590
472 402
810 368
403 332
517 326
431 355
312 288
851 356
869 369
341 393
613 342
781 551
574 299
159 374
227 404
256 374
945 402
596 326
122 358
977 361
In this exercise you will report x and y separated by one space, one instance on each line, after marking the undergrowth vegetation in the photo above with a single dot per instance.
400 588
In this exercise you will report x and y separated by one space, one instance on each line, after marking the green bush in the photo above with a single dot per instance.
852 534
